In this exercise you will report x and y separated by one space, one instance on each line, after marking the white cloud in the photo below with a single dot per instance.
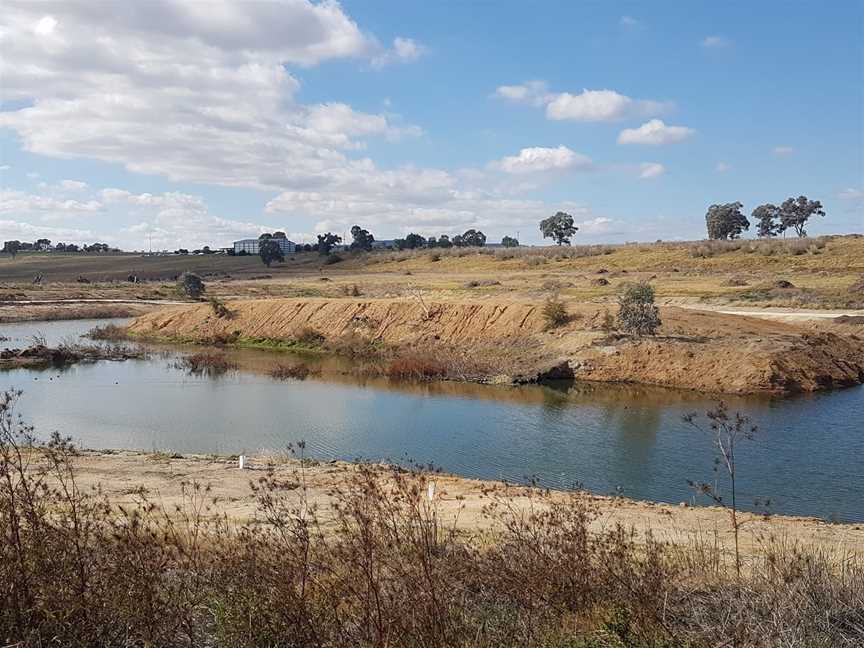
587 106
191 91
45 26
651 170
854 198
534 93
5 167
722 167
715 42
538 159
590 105
23 231
782 151
629 22
21 203
405 50
654 132
73 185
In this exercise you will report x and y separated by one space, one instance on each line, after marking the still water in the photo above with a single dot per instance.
808 455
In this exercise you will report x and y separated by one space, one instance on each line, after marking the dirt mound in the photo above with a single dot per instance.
700 350
392 321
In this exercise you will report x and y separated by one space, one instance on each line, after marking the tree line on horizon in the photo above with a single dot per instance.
723 222
727 221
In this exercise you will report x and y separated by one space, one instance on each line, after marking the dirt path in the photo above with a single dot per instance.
460 500
777 314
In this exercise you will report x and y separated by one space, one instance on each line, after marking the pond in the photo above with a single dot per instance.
807 457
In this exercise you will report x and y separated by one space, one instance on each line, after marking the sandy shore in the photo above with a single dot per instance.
461 501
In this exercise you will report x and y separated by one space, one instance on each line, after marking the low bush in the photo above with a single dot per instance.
637 313
191 285
416 367
309 337
220 309
292 371
108 332
207 363
554 314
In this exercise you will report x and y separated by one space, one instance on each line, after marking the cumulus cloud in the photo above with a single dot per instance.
73 185
404 50
782 151
649 170
629 22
535 93
715 42
538 159
20 203
192 91
586 106
854 199
654 132
722 167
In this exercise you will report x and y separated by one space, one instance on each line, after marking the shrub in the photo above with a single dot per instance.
292 371
206 364
191 285
308 336
416 367
108 332
554 314
332 258
220 309
637 313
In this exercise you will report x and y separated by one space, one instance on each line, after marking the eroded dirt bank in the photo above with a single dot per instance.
121 474
705 351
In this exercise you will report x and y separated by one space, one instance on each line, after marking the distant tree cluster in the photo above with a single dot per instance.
470 238
12 248
727 221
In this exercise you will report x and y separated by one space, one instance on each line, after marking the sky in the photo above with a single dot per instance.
183 123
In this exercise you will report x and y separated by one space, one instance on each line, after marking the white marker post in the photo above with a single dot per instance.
242 462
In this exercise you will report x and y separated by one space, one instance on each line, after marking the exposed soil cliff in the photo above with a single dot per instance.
706 351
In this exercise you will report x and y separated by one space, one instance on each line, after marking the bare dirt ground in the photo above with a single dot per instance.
510 341
461 501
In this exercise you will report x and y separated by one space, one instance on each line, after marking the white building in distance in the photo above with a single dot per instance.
251 246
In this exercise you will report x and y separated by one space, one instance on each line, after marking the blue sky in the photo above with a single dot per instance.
196 123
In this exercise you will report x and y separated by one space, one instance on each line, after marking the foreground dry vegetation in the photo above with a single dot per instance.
381 565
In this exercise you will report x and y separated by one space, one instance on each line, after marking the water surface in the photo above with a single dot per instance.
808 455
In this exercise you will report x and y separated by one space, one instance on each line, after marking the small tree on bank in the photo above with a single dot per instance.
637 313
270 252
559 228
725 431
726 221
191 285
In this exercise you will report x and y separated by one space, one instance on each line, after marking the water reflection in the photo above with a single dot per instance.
608 437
